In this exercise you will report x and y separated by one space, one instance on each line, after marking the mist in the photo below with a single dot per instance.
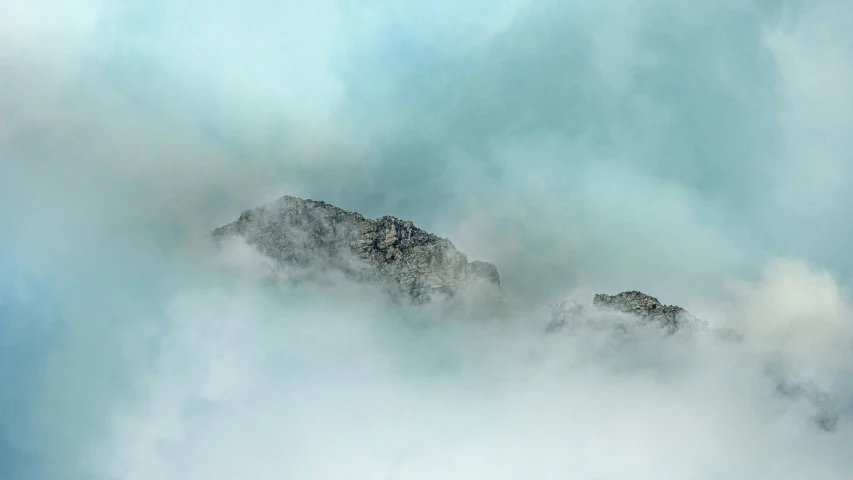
699 153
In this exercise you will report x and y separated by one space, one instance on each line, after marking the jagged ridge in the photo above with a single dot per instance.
307 233
670 316
645 308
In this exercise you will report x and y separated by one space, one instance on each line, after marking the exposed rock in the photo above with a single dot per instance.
647 307
316 236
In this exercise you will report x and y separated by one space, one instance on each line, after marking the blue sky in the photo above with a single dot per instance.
603 146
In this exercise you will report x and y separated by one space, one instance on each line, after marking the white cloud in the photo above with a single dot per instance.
559 141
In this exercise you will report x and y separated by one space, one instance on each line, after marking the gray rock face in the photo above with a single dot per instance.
315 235
646 306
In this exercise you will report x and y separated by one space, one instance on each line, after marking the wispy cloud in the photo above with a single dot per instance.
580 146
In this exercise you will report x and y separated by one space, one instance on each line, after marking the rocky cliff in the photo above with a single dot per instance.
316 235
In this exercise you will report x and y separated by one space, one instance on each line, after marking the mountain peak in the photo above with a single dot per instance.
304 233
645 306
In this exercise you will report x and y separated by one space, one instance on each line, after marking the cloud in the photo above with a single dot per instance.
409 110
243 380
582 147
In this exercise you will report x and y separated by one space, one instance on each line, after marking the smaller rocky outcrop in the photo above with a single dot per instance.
645 307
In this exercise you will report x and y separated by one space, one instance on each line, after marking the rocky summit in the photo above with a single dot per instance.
644 309
645 306
315 235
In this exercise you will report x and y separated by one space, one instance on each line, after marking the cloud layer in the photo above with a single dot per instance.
582 147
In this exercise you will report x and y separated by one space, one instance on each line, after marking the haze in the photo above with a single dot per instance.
696 151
